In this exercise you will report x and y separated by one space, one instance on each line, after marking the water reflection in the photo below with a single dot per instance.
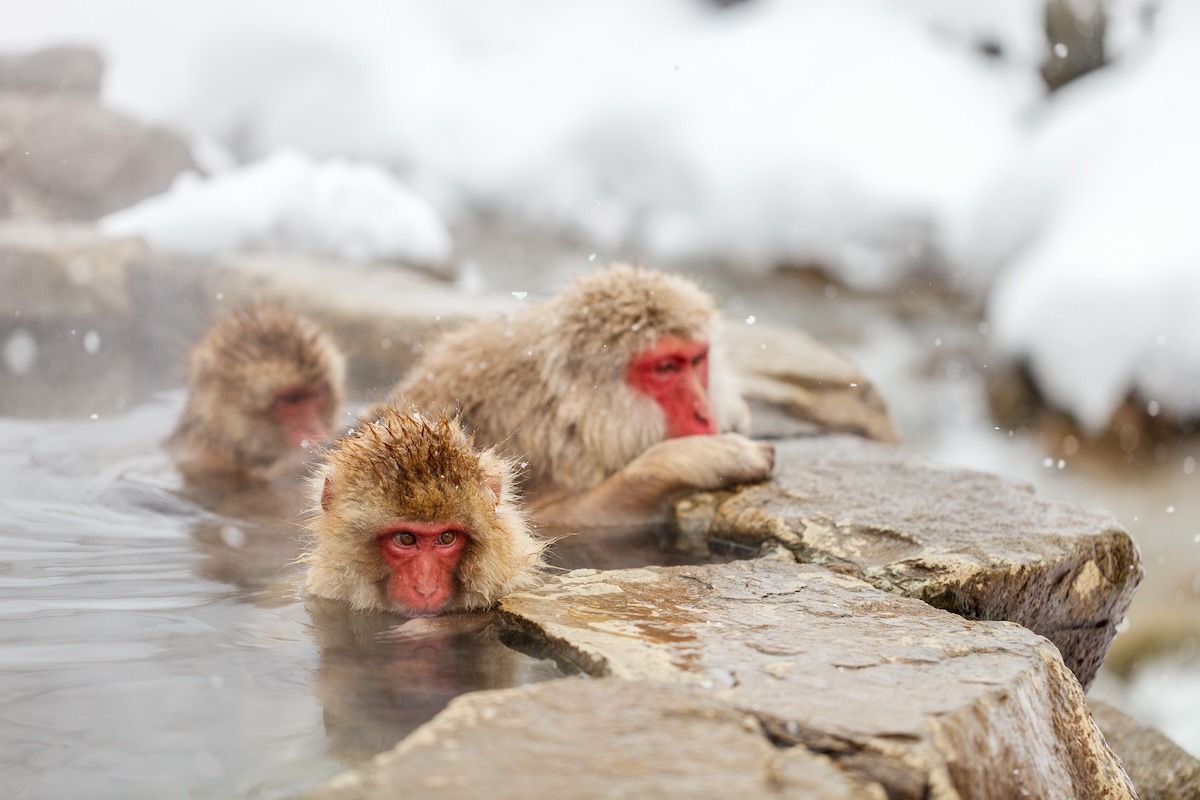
154 642
374 690
252 538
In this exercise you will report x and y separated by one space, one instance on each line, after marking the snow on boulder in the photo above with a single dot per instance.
1094 233
291 202
834 134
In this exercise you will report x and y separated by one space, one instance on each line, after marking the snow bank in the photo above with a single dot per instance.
291 202
840 134
1096 228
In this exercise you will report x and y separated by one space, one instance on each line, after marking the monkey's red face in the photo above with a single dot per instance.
674 372
423 557
303 413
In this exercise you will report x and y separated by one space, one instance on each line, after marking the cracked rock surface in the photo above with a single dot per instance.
717 661
976 544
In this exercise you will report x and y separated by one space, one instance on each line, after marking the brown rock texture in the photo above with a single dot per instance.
595 738
1159 768
752 679
924 702
976 544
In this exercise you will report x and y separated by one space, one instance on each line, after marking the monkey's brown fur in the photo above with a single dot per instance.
404 466
234 375
548 384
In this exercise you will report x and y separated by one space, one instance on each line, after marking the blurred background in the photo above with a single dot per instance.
991 205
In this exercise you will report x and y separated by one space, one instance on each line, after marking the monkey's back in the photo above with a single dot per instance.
499 376
549 385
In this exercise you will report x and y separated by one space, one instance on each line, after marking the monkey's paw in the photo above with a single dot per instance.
420 629
704 462
749 460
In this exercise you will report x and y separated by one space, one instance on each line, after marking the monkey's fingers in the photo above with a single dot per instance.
414 630
420 629
768 451
747 461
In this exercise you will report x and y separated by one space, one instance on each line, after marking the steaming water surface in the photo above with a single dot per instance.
154 647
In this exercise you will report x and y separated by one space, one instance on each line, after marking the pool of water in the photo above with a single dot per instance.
153 643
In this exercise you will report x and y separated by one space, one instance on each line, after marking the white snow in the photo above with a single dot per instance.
1093 231
861 135
832 133
291 202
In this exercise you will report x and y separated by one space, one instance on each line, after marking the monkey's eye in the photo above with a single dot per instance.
294 397
447 537
404 539
667 365
699 358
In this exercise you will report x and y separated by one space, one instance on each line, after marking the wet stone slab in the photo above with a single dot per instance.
745 680
976 544
602 738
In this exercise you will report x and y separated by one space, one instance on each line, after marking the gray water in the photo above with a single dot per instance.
153 642
154 646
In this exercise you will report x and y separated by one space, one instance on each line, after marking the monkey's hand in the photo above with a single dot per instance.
422 628
702 463
641 492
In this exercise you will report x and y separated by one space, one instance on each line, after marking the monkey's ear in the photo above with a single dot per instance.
326 495
493 481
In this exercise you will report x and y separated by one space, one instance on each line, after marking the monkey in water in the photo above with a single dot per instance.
410 517
263 384
615 394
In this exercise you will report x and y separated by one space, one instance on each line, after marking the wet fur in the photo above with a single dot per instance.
234 374
548 384
404 466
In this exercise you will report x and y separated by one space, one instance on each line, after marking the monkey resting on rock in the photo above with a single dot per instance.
615 394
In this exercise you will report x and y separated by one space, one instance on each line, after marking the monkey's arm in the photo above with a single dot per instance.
641 492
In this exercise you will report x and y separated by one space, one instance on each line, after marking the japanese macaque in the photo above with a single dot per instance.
263 384
615 395
411 518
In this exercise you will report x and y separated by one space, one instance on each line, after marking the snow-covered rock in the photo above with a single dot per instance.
838 134
1094 232
293 203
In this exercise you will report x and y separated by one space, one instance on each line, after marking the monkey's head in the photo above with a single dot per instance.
262 383
411 518
647 333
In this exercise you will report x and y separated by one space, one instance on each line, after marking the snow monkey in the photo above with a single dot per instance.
411 518
614 393
263 383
